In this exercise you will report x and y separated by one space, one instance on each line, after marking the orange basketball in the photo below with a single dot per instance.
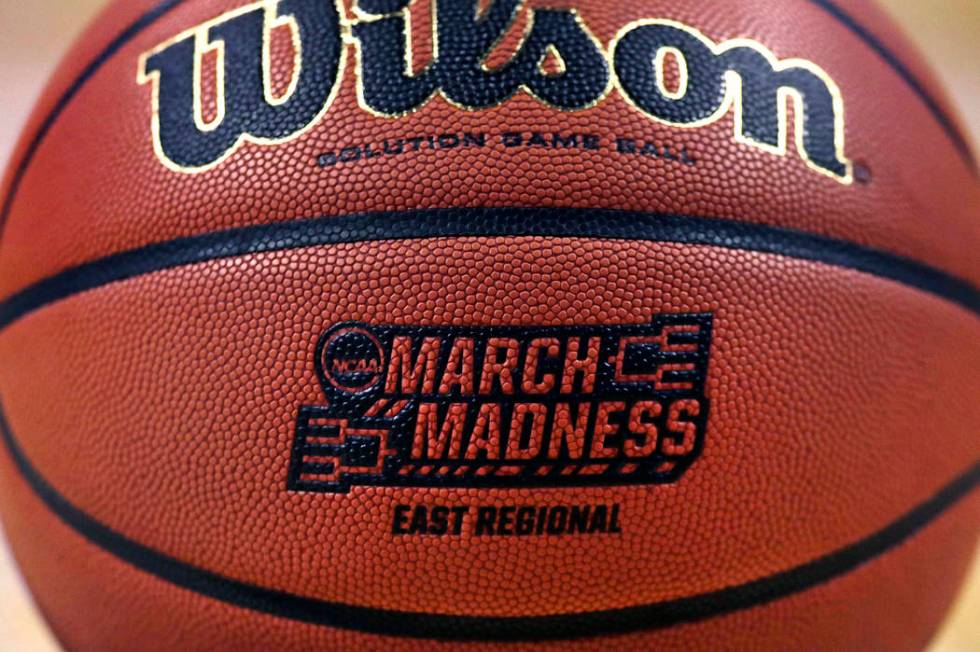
462 324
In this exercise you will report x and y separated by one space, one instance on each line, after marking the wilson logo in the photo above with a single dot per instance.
504 406
666 70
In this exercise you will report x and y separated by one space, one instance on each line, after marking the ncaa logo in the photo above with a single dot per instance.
350 358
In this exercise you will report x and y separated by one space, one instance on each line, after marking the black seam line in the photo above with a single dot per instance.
164 7
487 222
944 120
493 628
87 73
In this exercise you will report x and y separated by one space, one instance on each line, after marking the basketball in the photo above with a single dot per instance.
491 324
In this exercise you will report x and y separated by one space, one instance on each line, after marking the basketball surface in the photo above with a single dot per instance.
464 324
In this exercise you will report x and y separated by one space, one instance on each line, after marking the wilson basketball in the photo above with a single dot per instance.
462 324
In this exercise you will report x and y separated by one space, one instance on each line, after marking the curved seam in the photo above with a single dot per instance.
890 58
487 222
652 616
87 73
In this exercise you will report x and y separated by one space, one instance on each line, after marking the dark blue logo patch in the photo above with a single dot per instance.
521 406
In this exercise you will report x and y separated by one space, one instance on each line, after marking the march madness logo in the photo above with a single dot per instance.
528 406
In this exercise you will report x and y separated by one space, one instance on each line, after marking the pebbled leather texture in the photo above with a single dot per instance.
162 301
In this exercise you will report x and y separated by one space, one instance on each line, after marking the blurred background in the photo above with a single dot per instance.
34 35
